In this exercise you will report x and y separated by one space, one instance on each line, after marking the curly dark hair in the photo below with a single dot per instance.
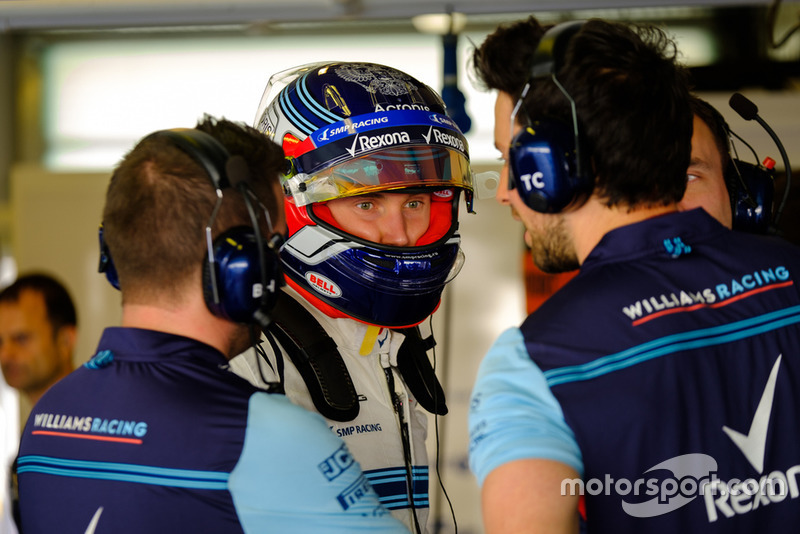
633 106
503 61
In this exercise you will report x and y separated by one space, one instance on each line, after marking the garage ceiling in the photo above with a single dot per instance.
64 14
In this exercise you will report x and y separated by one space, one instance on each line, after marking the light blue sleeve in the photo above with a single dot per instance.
295 475
513 414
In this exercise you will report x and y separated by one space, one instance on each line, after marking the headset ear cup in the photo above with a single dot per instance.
236 266
106 264
752 200
732 185
543 167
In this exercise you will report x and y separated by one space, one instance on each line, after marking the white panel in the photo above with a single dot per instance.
55 222
9 442
101 98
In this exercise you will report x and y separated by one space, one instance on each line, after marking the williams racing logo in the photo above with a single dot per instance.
724 293
89 428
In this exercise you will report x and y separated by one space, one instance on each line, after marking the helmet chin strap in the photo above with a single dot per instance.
316 357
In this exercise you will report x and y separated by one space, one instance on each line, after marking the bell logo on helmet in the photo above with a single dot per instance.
444 194
323 285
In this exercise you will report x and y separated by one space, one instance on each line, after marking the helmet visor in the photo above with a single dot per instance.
385 170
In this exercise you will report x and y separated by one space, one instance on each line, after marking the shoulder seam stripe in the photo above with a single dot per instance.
674 343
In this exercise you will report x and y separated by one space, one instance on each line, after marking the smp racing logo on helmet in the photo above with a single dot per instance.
323 285
441 119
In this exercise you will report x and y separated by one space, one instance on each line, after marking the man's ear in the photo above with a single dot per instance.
66 339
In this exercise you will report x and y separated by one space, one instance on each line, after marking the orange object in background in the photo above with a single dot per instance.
539 285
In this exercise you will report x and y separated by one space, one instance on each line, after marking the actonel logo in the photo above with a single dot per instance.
390 107
322 284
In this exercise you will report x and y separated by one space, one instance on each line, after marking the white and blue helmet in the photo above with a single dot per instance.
354 128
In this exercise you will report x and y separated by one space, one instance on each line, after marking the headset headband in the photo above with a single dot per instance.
204 149
548 58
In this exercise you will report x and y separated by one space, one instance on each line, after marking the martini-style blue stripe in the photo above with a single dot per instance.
295 117
159 476
313 105
674 343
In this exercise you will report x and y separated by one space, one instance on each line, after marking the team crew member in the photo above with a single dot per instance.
375 170
154 433
671 359
707 187
738 194
38 331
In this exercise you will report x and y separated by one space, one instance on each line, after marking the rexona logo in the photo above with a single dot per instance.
323 285
443 138
676 482
364 143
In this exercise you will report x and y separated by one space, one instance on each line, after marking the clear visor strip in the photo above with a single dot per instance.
304 189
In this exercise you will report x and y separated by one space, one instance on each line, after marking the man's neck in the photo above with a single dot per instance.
192 320
594 219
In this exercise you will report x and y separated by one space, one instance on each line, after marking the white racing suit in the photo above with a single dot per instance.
388 436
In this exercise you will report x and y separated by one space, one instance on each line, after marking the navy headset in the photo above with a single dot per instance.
546 163
752 186
241 274
548 167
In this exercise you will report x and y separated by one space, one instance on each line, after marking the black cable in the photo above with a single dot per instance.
397 402
259 315
261 355
733 146
436 435
278 357
772 15
749 111
748 198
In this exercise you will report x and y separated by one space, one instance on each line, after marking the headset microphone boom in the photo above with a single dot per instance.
749 111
